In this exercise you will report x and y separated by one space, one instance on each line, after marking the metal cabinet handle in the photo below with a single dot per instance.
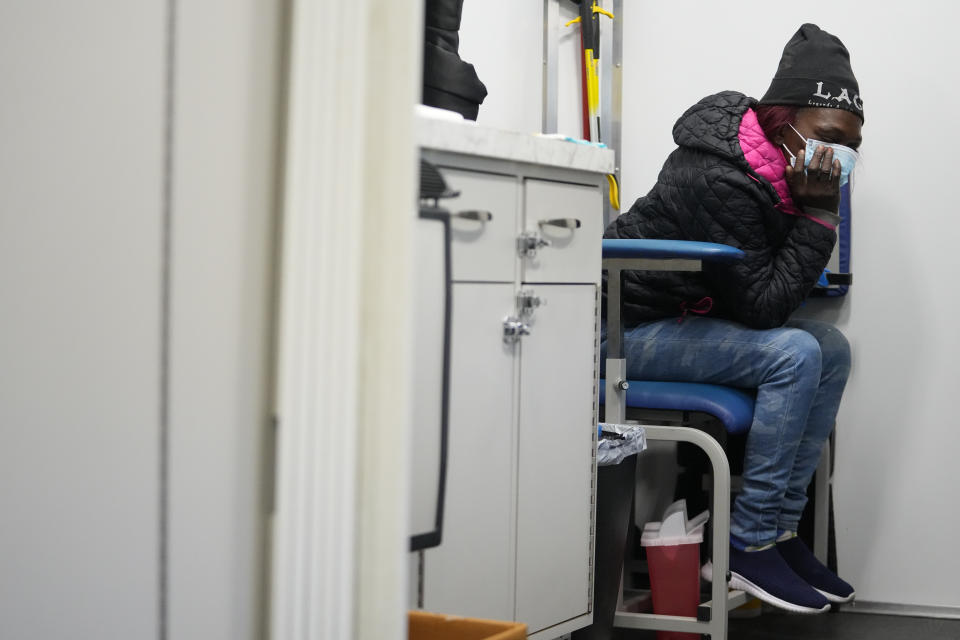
529 242
563 223
528 302
514 329
472 214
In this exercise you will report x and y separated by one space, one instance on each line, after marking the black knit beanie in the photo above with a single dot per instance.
815 72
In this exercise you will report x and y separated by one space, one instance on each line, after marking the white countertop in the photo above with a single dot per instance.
443 131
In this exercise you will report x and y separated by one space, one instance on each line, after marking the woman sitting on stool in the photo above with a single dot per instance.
764 177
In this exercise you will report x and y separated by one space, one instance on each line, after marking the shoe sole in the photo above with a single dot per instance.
739 582
837 599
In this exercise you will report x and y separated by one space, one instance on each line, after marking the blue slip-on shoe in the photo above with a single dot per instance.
799 558
766 575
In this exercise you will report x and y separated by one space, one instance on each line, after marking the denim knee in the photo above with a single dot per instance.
835 356
802 354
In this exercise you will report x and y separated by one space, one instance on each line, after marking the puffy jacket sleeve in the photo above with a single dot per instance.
775 275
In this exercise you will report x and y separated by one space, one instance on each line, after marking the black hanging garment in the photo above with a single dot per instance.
448 82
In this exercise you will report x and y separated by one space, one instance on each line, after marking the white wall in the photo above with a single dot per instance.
81 122
82 192
897 441
224 217
503 40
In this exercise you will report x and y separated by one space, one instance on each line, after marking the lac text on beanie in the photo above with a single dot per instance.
815 72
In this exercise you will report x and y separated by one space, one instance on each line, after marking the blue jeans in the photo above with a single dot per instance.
799 372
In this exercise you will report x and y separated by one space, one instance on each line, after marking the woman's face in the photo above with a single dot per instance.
836 126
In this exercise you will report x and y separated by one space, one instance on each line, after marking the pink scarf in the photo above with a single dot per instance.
768 162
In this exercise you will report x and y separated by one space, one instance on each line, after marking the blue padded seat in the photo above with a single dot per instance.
733 407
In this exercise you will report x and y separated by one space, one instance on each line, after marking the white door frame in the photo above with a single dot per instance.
340 524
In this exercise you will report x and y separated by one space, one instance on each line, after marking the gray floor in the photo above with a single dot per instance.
830 626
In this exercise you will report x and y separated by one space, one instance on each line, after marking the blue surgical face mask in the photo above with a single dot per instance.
847 156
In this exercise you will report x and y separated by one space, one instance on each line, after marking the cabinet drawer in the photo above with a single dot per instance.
573 254
483 251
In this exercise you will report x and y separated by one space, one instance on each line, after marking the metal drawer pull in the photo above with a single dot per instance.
480 216
563 223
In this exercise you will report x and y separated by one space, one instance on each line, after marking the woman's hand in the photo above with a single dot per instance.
819 185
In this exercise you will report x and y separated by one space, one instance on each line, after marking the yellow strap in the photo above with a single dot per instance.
614 192
597 9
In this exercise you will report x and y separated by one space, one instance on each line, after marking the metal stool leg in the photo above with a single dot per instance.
821 520
712 617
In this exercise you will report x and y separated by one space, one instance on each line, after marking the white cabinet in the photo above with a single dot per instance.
518 518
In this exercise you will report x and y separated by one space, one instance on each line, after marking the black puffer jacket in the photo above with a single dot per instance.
707 191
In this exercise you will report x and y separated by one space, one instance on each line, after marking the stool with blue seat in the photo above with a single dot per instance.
725 413
675 403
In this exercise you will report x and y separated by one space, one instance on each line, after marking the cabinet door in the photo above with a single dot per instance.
556 453
471 573
483 250
574 252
